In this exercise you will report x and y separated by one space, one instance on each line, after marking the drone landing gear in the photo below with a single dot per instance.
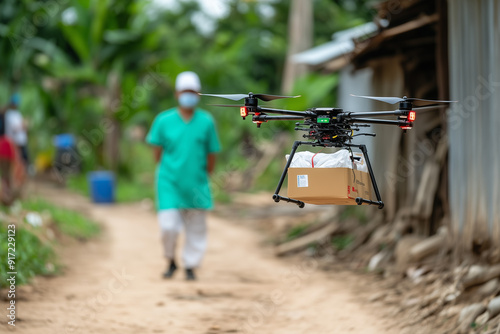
359 200
278 198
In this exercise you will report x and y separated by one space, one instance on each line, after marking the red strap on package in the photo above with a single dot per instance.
312 159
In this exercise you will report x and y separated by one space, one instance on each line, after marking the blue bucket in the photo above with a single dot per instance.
64 140
102 186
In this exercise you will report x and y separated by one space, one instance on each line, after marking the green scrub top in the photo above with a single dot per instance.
181 176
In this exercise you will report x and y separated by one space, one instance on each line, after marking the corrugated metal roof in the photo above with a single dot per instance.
342 44
324 52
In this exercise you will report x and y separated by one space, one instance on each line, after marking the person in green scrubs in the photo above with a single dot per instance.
185 142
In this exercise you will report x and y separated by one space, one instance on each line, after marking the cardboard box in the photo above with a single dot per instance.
338 186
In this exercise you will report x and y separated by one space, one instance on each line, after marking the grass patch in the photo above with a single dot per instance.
222 196
341 242
296 231
133 191
355 211
69 222
79 184
33 257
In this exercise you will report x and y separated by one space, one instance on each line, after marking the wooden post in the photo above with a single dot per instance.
300 36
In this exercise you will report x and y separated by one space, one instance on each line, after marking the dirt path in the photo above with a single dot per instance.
114 285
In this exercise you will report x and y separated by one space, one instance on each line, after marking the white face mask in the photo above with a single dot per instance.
188 99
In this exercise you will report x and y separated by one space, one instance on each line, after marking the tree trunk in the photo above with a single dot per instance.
112 143
110 125
300 36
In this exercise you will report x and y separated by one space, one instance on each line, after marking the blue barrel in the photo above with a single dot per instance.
102 186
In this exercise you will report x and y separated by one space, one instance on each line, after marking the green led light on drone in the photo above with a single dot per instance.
323 120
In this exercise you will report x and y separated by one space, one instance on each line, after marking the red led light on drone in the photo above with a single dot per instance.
412 115
243 111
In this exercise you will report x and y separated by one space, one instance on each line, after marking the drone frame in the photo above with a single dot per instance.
328 127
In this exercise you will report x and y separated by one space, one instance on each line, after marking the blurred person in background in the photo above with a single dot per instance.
7 156
185 142
12 170
16 127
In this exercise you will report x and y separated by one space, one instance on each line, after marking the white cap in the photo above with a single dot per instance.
187 81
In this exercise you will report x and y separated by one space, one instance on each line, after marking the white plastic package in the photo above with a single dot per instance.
339 159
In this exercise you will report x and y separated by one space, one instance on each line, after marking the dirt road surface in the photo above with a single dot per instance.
114 285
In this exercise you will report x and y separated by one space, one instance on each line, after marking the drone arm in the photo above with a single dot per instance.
376 113
303 114
265 118
379 121
364 134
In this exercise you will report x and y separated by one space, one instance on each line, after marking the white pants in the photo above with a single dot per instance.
171 222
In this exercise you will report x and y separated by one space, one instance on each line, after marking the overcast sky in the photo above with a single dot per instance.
211 10
215 8
204 20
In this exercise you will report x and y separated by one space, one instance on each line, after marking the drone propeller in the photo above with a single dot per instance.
421 108
225 105
429 107
263 97
394 100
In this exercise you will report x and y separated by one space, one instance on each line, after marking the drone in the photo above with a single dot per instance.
329 127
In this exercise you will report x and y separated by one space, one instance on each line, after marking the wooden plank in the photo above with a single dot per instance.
408 26
429 182
442 58
429 246
377 40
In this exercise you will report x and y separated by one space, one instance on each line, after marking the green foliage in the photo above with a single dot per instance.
296 231
33 257
337 15
119 59
136 180
314 90
317 90
222 196
267 180
130 191
341 242
69 222
356 212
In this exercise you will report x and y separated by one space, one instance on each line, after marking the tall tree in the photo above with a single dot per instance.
300 38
